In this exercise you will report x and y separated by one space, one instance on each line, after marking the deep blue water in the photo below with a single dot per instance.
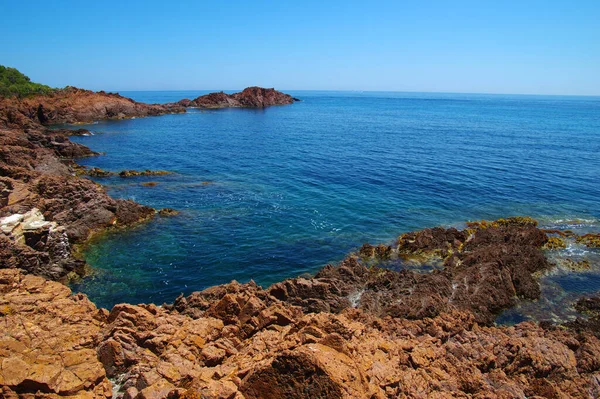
295 187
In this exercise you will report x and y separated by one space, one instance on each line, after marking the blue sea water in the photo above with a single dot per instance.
267 194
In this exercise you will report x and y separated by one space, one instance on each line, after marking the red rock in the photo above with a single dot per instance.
250 97
73 105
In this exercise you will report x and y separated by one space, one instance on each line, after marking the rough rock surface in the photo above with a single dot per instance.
250 97
238 341
37 175
485 270
48 340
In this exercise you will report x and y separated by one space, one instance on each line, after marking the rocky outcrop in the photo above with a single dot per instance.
31 243
484 271
37 178
250 97
73 105
97 172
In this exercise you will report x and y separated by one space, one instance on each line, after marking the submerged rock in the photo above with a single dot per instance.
555 243
590 240
147 172
97 172
589 307
168 212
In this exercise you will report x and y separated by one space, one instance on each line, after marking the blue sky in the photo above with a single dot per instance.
537 47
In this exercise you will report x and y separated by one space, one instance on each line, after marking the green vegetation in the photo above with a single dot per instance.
14 84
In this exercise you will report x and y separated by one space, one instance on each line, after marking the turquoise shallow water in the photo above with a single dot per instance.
295 187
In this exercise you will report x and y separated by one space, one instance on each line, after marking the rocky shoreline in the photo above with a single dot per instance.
354 330
351 331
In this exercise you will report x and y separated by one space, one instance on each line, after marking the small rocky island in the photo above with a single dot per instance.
354 330
250 97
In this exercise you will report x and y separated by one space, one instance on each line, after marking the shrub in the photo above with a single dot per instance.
14 84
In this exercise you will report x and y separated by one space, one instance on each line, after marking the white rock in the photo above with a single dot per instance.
32 216
8 223
35 224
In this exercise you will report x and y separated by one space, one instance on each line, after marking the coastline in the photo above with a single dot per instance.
40 160
236 339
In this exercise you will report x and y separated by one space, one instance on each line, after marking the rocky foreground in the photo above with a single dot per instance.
349 332
354 330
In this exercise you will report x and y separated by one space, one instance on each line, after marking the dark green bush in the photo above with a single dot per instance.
14 84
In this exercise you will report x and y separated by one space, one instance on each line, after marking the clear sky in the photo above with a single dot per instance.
526 46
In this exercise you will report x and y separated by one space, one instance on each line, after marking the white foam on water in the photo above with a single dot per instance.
574 249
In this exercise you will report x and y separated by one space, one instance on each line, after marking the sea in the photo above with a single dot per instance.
274 193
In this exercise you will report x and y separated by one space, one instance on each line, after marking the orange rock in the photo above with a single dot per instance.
49 339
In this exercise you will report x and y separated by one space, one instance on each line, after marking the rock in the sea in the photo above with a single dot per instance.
97 172
250 97
590 240
147 172
168 212
484 272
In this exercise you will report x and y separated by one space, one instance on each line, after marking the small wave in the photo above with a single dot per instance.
569 223
576 221
574 249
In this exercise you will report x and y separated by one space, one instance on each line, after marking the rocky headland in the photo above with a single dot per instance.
72 105
354 330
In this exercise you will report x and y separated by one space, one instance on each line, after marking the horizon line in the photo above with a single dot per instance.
360 91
